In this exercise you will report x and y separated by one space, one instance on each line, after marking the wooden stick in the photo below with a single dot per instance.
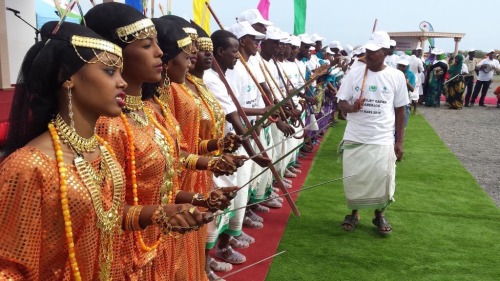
152 8
161 9
366 68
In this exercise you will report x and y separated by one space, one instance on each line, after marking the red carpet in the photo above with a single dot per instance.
5 101
268 238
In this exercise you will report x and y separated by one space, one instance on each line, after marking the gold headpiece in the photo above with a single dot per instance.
191 32
181 43
138 30
205 44
98 44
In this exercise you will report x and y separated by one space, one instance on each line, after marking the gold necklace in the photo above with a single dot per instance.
133 103
108 222
76 142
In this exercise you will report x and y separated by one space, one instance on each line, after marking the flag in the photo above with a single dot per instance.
299 25
263 8
201 14
136 4
427 27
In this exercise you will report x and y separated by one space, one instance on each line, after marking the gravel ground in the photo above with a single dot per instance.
473 134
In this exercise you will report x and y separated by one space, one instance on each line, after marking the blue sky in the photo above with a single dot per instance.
352 22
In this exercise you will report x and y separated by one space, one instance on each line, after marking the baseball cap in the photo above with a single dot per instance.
274 33
243 28
253 16
335 44
304 38
392 43
315 37
472 50
359 51
403 62
491 51
329 51
295 41
378 40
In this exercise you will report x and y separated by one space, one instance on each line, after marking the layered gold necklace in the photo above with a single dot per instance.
108 222
69 136
133 104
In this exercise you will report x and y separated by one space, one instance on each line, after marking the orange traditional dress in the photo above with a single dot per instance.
200 117
33 243
155 183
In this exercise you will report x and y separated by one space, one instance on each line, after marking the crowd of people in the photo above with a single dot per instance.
136 144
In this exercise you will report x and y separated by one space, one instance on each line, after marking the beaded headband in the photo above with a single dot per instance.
191 32
181 43
138 30
98 44
205 44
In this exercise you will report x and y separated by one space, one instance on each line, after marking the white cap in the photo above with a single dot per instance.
491 51
403 62
359 51
349 49
315 37
295 41
329 51
472 50
243 28
392 43
304 38
253 16
286 38
335 44
436 51
378 39
312 48
274 33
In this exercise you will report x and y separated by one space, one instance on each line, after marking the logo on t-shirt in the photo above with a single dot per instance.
372 88
357 88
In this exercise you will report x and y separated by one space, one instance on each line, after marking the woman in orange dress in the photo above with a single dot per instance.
146 146
62 190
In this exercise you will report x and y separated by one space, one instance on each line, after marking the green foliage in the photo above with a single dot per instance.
445 226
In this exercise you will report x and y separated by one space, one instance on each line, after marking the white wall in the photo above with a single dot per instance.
20 36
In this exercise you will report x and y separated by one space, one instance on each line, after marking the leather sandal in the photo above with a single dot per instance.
383 227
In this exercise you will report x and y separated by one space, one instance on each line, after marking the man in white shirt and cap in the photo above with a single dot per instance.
471 62
373 138
487 67
392 59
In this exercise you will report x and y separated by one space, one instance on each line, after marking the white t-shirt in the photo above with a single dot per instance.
392 61
487 76
217 87
272 74
384 91
243 87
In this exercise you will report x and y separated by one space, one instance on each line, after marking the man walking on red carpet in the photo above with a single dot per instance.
374 99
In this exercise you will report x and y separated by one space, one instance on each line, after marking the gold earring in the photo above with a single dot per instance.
70 111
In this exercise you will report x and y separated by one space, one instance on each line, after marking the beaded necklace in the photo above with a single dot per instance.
196 122
213 106
168 189
108 222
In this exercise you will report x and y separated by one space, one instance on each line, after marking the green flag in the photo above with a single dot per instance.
299 26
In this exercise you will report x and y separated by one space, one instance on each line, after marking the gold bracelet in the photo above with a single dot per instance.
192 160
128 219
203 147
220 145
136 218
